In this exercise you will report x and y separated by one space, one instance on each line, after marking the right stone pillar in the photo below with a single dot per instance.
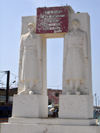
76 101
77 76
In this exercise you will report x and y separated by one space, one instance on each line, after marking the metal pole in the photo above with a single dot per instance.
7 86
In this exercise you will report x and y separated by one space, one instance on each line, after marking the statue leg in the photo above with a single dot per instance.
77 84
25 90
31 87
26 85
71 84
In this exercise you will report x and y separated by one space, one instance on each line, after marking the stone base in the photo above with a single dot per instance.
34 125
76 106
34 106
54 121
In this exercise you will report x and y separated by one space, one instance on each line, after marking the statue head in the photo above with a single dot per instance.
31 27
75 24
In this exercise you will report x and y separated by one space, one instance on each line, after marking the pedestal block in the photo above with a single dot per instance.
26 117
54 121
76 106
31 125
33 106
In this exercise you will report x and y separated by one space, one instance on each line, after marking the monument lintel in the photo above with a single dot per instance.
53 35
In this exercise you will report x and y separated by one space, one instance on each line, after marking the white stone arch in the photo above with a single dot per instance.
84 26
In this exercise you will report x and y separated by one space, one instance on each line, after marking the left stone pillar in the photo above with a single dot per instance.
33 100
31 103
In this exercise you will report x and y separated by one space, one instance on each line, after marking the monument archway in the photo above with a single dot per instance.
42 84
84 24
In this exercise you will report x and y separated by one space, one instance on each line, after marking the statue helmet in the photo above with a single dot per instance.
31 24
75 21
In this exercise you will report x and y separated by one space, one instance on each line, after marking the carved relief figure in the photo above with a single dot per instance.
30 59
75 58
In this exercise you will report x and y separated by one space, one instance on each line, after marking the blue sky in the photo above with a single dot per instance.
11 12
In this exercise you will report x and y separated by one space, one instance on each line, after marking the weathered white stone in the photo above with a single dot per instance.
33 106
82 73
30 61
75 58
54 121
42 84
47 128
25 21
76 106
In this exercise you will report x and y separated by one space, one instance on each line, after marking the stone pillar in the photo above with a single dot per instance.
44 66
73 105
34 105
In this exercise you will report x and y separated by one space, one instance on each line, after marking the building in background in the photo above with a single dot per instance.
6 108
12 91
53 96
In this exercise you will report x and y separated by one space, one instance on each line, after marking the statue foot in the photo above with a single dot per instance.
78 93
24 92
68 93
71 92
84 91
31 92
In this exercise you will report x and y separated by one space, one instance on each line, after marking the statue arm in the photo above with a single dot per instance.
65 47
39 49
85 47
20 58
64 60
39 57
21 51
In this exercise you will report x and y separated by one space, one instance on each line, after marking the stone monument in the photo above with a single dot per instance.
29 61
76 103
75 59
77 77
